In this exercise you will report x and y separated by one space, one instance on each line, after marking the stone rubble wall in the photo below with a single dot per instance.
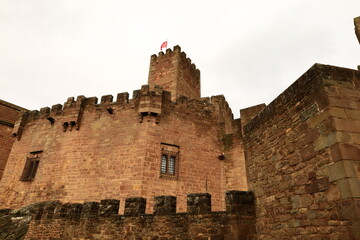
302 156
100 220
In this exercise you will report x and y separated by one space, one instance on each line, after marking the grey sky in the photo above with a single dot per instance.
250 51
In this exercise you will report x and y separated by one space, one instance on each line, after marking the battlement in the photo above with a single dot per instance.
177 49
184 59
176 73
237 202
147 101
79 220
122 99
172 76
49 220
309 81
82 101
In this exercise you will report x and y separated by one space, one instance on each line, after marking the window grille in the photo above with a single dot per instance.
169 166
163 163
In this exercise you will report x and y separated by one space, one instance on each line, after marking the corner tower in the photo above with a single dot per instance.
175 73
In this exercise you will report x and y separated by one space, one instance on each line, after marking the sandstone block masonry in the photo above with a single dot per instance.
302 157
141 147
175 73
100 220
9 113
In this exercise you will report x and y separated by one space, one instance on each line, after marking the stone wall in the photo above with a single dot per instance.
89 151
9 113
249 113
100 220
302 157
175 73
234 160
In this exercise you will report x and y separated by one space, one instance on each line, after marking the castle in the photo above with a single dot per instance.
290 169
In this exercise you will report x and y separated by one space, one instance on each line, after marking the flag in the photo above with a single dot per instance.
163 45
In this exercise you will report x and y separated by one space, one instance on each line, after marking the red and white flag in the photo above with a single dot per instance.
163 45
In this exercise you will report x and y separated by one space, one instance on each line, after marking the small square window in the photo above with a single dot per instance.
169 161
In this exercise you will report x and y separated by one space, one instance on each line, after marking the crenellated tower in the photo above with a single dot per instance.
175 73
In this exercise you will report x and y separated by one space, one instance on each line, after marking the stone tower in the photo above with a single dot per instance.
175 73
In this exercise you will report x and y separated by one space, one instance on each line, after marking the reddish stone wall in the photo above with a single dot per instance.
235 173
6 141
9 113
175 73
113 150
8 116
302 157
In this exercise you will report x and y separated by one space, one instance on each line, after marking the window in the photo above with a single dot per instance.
169 161
31 166
168 164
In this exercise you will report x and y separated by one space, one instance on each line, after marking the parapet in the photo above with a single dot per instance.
249 113
307 83
237 202
149 102
71 111
176 73
50 220
177 49
183 58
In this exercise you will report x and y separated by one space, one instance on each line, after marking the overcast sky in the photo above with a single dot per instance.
250 51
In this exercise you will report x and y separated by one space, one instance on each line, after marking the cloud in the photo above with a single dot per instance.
248 51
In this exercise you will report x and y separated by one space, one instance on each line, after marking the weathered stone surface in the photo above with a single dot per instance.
240 202
199 203
74 210
49 209
14 224
91 209
212 225
9 113
14 228
311 119
164 205
349 209
175 73
343 151
135 206
108 207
